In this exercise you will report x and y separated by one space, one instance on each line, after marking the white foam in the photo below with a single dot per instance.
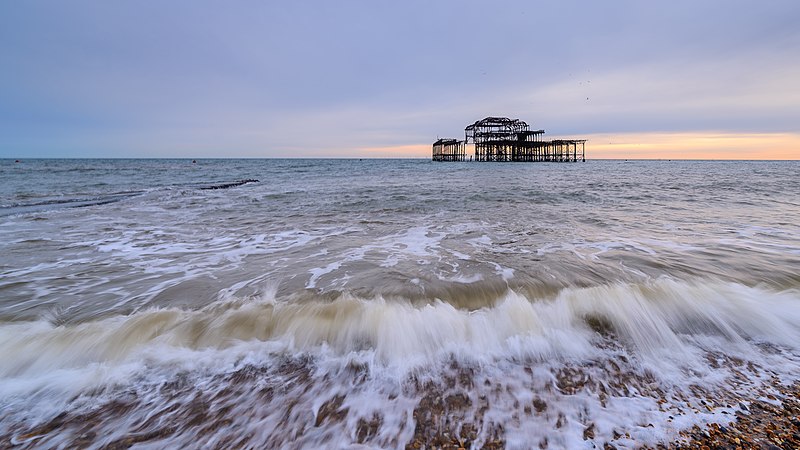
506 273
651 317
666 328
460 278
417 244
320 271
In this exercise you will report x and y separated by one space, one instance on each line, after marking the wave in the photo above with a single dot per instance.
629 362
662 316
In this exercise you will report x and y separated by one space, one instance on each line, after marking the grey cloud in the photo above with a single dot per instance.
203 76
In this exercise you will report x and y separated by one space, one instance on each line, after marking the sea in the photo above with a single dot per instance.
380 303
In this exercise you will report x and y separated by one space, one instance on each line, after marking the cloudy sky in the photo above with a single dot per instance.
716 79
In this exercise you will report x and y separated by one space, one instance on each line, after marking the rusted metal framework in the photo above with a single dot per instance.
504 139
449 150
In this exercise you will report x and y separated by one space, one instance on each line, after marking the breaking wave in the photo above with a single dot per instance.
354 370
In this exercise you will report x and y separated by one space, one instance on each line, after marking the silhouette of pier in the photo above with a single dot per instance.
508 140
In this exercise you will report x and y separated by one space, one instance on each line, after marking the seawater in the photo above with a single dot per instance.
383 303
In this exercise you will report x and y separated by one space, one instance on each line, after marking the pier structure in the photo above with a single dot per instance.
508 140
449 150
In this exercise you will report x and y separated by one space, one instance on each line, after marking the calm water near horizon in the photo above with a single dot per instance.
344 301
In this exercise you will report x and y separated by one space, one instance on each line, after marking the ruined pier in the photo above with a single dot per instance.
508 140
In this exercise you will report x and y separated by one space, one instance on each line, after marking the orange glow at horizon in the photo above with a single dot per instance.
694 145
399 151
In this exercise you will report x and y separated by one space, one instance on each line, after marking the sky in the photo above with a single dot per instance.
638 79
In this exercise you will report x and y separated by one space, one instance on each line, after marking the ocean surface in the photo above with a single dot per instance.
391 303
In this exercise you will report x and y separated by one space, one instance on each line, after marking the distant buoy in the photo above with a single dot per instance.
194 161
16 161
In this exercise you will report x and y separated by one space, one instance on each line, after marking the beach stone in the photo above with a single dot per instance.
588 433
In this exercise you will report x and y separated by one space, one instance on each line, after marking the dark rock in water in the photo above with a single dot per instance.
588 433
229 185
332 411
540 405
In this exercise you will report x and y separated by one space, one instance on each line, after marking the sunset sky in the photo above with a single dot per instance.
679 79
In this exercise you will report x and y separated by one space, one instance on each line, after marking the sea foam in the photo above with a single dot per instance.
620 358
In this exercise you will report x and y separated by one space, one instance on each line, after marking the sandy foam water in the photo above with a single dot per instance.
622 363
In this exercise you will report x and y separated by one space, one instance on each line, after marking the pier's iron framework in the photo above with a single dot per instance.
504 139
449 150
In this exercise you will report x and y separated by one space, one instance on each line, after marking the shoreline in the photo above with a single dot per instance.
454 412
770 423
